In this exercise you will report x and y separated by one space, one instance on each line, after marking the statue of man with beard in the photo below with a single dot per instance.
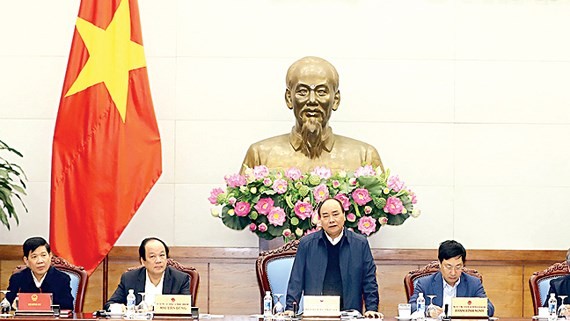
312 93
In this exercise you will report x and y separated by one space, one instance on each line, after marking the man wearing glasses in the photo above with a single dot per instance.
450 281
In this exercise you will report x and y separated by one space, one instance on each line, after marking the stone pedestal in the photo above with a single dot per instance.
267 245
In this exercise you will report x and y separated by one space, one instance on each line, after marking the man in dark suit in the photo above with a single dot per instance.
40 276
560 286
335 261
153 278
450 281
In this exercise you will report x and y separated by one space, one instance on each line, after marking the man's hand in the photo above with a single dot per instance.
436 312
373 314
287 313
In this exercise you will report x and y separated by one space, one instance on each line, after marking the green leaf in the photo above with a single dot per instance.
233 221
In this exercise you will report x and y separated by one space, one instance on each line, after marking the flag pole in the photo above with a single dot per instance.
105 277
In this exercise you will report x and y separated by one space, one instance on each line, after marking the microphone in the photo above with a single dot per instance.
445 311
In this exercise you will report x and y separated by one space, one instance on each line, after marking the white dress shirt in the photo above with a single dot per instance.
151 290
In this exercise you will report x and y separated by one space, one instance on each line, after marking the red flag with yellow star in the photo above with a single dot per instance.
106 146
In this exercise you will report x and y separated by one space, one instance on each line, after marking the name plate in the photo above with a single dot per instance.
321 306
37 302
178 304
469 307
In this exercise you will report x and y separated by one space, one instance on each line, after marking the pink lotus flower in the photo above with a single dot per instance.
351 217
267 181
321 193
344 200
413 197
361 196
383 220
287 232
276 216
260 171
303 210
366 170
235 180
322 172
264 205
395 183
352 181
280 186
214 195
335 183
313 230
262 227
293 173
242 208
367 225
232 200
252 227
367 209
315 220
393 206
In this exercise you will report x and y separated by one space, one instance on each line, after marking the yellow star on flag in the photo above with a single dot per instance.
112 55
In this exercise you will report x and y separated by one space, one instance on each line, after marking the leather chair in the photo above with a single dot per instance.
273 269
78 277
414 276
191 271
539 283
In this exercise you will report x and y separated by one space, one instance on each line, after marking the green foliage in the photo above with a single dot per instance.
12 186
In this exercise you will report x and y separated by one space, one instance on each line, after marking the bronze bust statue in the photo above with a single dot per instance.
312 93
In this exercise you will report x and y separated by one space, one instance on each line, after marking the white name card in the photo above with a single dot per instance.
321 306
469 307
173 304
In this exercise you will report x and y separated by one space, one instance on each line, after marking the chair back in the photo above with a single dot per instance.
412 278
78 279
539 283
191 271
273 269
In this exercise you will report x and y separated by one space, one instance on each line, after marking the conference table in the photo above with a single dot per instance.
89 317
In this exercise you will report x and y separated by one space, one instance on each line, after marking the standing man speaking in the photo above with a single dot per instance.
335 261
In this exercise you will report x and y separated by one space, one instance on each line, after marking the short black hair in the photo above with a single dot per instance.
450 249
330 198
142 251
33 243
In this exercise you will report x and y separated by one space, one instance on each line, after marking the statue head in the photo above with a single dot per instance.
312 93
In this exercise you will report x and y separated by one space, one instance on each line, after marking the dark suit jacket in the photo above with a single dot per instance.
56 282
175 282
469 286
357 270
559 286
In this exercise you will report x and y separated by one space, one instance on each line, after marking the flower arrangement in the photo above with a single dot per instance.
279 203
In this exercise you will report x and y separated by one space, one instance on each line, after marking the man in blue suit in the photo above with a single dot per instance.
560 286
450 281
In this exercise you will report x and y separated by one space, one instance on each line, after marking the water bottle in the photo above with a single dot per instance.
267 304
131 301
552 303
421 306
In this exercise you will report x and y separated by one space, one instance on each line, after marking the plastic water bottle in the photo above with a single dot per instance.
421 306
131 301
552 303
267 304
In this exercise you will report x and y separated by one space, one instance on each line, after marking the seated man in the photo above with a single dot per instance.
560 286
40 276
450 281
335 261
153 278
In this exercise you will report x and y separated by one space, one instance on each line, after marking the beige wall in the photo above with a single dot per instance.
466 100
